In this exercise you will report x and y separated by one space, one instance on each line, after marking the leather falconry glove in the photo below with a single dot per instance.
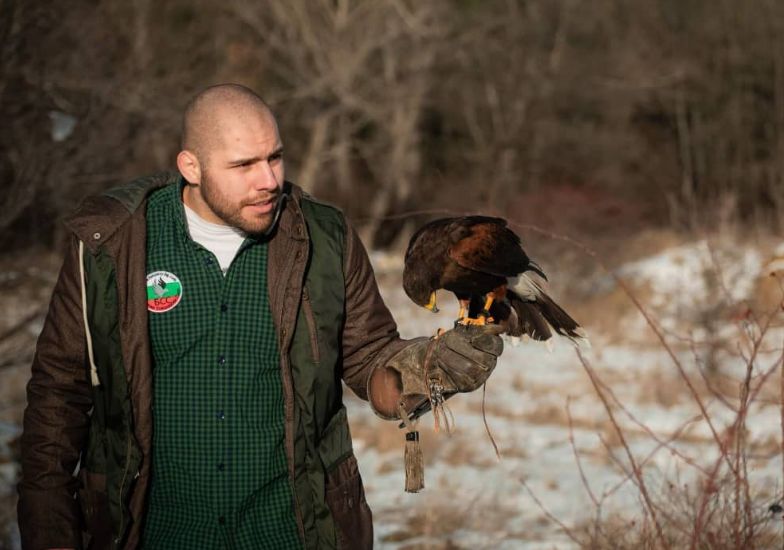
433 369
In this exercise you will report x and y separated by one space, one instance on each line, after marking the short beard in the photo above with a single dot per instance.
232 214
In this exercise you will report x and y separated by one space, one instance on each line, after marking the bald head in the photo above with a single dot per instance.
231 159
214 112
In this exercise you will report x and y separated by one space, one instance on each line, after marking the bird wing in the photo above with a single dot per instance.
488 245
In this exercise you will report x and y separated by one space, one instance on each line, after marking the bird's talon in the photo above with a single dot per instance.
487 317
479 321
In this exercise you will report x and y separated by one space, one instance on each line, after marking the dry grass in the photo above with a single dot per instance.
683 505
723 508
437 527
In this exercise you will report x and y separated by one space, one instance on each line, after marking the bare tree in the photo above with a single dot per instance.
356 76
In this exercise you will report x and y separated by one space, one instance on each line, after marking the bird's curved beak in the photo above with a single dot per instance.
431 305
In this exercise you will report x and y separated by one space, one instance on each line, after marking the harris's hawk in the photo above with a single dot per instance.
482 261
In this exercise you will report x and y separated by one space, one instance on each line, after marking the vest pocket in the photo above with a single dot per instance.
310 319
344 494
335 442
345 497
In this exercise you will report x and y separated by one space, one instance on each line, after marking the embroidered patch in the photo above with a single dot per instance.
164 291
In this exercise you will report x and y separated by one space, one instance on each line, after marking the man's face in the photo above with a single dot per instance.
243 173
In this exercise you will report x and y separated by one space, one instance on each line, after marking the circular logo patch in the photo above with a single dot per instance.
164 291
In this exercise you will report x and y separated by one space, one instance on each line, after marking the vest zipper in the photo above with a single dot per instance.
311 320
121 533
288 388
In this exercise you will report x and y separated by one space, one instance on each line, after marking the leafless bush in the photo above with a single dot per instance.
720 506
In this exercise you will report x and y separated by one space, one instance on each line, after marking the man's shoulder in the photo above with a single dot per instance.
318 209
129 195
102 214
132 194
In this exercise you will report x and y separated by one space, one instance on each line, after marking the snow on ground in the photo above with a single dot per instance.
683 277
472 500
686 283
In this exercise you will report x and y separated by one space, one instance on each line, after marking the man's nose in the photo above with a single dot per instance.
264 178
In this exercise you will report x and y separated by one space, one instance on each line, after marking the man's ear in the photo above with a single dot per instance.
189 167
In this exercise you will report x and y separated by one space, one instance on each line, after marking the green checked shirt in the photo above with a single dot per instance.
219 468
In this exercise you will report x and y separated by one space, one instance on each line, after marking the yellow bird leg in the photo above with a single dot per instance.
488 302
483 318
463 313
486 310
431 305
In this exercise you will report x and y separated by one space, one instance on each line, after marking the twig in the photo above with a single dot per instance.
577 455
708 384
662 444
706 492
412 213
651 454
629 475
635 469
550 516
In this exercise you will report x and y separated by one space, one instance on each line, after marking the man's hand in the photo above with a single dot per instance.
466 355
458 361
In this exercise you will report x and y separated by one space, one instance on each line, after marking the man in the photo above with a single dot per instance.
190 364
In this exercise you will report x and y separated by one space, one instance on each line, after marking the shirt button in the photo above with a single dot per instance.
224 308
221 467
221 520
221 360
220 415
208 261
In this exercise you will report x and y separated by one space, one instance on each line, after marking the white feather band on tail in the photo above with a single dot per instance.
548 314
525 286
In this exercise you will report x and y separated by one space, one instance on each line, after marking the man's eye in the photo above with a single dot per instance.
276 156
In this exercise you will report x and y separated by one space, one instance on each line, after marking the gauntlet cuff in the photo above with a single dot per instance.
399 378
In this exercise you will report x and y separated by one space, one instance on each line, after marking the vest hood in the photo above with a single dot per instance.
99 216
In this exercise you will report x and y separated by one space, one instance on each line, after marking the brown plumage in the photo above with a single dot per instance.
482 261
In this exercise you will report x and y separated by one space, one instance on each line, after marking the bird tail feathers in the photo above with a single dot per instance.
539 317
526 286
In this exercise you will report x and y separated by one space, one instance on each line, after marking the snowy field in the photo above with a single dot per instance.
562 459
473 500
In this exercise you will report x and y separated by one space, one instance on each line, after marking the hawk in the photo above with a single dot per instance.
482 261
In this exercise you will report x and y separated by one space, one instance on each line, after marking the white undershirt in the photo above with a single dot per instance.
222 240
